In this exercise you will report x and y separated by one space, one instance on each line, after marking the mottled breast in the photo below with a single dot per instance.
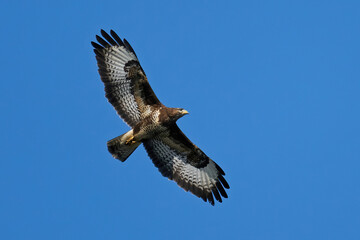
150 126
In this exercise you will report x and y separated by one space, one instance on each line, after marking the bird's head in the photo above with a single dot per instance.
177 113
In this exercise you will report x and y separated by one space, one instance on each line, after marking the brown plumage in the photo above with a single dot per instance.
152 123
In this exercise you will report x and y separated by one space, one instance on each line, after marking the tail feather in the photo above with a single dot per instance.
119 149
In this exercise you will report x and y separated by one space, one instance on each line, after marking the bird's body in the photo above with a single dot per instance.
156 123
152 123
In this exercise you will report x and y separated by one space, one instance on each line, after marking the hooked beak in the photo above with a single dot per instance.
184 112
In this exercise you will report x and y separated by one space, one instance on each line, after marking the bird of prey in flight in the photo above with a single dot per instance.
152 124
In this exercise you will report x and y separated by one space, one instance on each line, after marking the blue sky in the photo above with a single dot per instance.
272 88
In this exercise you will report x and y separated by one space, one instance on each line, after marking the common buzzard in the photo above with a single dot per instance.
153 124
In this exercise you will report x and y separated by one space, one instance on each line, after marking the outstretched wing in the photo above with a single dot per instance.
178 159
126 85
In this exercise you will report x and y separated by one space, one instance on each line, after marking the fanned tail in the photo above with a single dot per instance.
118 147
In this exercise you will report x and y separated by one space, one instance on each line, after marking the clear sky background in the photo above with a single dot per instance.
273 91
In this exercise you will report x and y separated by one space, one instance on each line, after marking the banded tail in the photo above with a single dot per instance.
118 147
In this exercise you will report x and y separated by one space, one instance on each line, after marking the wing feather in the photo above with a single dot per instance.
108 38
178 159
126 85
117 38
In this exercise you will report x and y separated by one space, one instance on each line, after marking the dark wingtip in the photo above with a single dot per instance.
102 41
108 38
223 181
116 37
96 46
216 194
221 190
128 46
219 169
210 198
